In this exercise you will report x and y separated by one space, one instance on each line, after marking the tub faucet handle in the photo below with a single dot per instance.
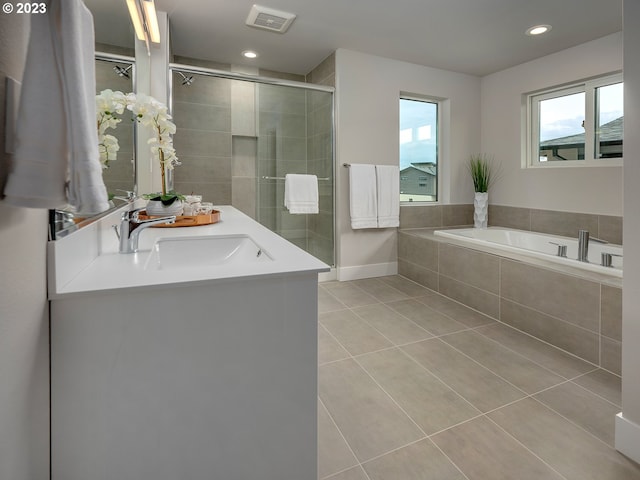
606 258
562 249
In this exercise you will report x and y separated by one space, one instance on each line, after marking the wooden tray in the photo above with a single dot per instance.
185 220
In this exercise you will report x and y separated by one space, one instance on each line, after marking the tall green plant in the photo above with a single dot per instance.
482 172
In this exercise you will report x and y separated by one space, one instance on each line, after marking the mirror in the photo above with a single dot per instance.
115 70
118 74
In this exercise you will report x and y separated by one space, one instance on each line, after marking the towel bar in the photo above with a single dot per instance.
282 178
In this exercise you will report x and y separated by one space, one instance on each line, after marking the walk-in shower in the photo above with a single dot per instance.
239 135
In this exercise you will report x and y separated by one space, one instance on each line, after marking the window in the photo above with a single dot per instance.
579 125
418 150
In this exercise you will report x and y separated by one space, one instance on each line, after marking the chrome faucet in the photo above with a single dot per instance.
131 226
583 245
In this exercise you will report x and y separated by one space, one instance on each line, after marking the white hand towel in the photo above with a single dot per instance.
56 137
301 193
388 184
362 196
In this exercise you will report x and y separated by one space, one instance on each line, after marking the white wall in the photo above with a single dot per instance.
628 429
583 190
24 331
367 118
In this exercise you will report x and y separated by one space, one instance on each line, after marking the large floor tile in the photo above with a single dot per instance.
482 388
571 451
386 384
328 349
432 321
483 451
542 353
418 461
349 294
380 290
327 302
405 285
455 310
334 455
392 325
353 333
595 415
352 474
603 383
514 368
369 419
430 403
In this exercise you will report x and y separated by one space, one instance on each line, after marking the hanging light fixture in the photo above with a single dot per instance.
145 20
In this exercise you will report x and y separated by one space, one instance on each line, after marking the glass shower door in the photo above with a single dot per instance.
295 135
237 139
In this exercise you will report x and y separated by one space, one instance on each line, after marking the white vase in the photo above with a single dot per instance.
157 208
481 209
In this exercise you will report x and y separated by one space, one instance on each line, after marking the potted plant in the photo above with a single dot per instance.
150 112
483 174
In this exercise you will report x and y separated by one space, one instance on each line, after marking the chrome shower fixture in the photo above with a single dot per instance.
185 80
122 71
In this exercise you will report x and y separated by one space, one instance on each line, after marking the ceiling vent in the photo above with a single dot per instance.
269 19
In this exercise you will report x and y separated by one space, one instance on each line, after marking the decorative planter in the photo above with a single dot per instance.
157 208
481 209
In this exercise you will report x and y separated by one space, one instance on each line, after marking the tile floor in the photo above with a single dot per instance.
413 386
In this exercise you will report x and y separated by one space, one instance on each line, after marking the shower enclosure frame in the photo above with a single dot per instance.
256 79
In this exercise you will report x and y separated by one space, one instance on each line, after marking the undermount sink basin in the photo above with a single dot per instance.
205 251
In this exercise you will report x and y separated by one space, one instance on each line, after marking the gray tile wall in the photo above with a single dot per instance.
431 216
580 316
203 141
606 227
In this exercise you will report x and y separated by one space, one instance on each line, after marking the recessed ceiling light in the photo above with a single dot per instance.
249 54
538 29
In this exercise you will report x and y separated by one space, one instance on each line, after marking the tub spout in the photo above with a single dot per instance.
583 245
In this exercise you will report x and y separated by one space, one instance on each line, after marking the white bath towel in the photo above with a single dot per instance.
363 202
301 193
388 184
57 160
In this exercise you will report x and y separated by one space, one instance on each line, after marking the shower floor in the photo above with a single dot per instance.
413 385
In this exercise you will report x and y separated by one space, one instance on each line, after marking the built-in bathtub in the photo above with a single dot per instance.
572 305
546 247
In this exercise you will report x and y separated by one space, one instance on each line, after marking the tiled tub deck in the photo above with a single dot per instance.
580 313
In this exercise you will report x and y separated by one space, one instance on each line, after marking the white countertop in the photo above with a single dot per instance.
111 272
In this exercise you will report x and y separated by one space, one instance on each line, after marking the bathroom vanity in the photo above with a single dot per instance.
180 361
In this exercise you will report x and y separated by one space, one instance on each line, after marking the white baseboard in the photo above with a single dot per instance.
328 276
628 438
367 271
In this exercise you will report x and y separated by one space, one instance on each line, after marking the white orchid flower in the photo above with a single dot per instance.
148 112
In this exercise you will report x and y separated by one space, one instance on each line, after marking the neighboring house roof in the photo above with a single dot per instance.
609 132
428 168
